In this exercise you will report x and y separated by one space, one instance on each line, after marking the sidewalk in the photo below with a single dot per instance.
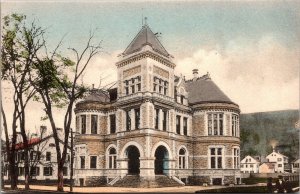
184 189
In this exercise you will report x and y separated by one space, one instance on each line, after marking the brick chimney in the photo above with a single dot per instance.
195 73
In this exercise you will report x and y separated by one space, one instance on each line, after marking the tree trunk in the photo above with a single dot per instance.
13 173
60 180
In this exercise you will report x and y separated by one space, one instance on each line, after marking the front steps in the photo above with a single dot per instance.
135 181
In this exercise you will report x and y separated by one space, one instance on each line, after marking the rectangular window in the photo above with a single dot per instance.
47 171
48 156
279 165
112 119
83 124
21 171
126 90
181 99
178 124
234 125
77 123
164 121
137 118
132 89
128 120
94 124
236 158
215 123
82 162
156 118
65 171
34 171
216 158
160 86
279 159
185 121
93 162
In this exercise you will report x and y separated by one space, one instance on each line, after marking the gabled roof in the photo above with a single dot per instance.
253 160
145 37
205 90
277 154
270 165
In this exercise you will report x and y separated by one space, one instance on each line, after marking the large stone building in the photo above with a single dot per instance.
156 124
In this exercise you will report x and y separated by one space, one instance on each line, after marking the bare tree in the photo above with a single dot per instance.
20 44
56 80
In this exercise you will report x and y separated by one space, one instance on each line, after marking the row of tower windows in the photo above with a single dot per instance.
215 124
133 85
160 86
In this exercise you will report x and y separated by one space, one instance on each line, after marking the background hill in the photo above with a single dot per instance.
260 131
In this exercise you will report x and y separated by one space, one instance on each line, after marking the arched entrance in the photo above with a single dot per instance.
161 160
133 155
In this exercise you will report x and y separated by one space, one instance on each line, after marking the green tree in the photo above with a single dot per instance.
56 78
20 44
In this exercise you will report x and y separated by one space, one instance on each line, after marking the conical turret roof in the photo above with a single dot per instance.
143 38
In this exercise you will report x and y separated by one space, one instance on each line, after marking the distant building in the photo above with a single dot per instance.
296 165
249 165
267 167
280 161
42 157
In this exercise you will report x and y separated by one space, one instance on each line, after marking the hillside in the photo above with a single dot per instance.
259 131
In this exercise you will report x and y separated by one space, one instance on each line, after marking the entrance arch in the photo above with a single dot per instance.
161 163
133 156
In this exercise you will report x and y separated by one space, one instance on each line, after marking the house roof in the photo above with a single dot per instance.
277 154
253 160
205 90
31 142
145 37
101 95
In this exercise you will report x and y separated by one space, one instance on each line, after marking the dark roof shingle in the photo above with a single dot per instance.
145 37
205 90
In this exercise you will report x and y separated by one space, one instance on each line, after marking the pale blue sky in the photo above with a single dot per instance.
251 49
184 26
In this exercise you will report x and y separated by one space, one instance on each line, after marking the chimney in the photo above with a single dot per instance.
195 73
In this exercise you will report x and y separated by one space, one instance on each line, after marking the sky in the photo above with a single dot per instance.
250 48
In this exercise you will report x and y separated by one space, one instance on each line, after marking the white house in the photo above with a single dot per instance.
280 161
249 165
42 158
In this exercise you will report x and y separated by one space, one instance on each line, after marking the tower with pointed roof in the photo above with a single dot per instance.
156 128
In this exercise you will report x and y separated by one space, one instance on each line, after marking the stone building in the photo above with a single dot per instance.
156 126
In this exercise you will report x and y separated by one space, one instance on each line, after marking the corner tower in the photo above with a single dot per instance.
145 66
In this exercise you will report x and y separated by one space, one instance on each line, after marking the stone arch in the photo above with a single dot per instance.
161 143
184 147
131 143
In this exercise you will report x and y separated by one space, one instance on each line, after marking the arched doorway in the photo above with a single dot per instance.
133 155
161 160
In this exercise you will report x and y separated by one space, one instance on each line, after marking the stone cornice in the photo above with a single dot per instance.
216 106
146 54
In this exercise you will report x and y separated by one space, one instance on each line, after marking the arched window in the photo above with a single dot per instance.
112 158
182 159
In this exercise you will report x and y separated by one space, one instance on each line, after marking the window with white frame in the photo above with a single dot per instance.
128 120
160 85
112 158
133 85
182 163
82 162
48 171
178 118
185 125
234 125
215 123
216 158
137 118
236 157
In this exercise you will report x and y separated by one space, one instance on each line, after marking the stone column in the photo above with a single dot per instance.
160 119
122 165
119 119
171 121
132 117
147 115
88 123
147 167
181 125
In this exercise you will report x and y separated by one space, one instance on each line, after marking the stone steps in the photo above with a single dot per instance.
135 181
